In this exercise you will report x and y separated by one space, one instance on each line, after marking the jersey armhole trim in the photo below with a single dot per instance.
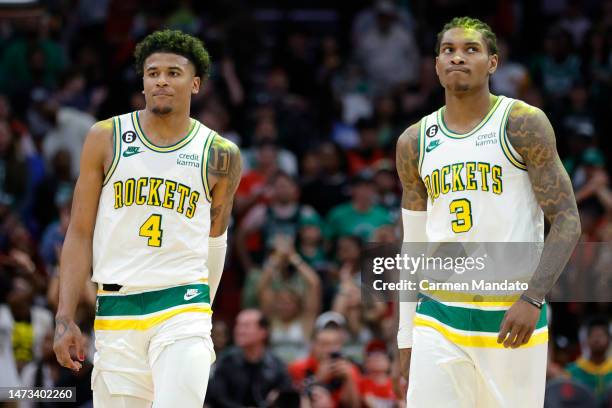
511 154
421 144
116 149
206 151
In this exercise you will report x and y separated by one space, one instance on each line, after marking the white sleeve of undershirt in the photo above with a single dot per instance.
414 223
217 246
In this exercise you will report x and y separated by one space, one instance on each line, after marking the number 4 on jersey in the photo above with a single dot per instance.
152 229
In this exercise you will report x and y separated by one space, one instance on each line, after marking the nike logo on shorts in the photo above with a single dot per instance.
191 293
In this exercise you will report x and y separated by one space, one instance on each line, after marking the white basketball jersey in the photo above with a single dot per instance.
154 212
477 184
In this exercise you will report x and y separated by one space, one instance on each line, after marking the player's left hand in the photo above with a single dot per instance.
518 324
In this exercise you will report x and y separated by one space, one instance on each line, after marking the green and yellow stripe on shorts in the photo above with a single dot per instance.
142 311
471 327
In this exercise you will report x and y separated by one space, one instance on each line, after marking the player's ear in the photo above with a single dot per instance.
195 88
493 60
436 66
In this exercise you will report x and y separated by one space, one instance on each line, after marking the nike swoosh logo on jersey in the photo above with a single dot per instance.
131 151
432 145
191 294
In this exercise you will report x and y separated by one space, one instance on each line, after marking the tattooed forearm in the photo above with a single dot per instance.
214 212
414 196
61 327
225 164
532 136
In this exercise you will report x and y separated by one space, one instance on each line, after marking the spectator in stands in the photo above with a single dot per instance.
575 22
53 237
15 179
289 293
360 314
376 386
310 244
43 372
282 215
578 114
267 132
558 68
55 190
27 323
317 396
328 189
220 335
388 192
592 180
328 367
248 375
511 78
387 50
385 114
67 128
368 153
30 58
361 216
597 66
595 371
254 185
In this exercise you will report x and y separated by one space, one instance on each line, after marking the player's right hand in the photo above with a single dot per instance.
68 343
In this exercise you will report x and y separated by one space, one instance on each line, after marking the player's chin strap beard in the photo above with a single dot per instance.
161 111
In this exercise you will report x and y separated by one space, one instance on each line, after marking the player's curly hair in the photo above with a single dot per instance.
174 42
474 24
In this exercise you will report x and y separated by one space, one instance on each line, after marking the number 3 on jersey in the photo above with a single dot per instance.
152 229
462 208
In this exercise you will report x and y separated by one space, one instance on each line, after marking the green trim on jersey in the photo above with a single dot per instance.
204 161
505 143
453 135
152 302
193 130
421 142
462 318
116 149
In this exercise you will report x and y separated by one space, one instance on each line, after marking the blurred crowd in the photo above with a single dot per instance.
315 93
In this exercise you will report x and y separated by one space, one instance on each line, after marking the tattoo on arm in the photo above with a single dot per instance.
218 160
225 164
214 212
414 196
61 327
532 135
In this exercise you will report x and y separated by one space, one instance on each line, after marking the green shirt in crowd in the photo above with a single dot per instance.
344 219
597 377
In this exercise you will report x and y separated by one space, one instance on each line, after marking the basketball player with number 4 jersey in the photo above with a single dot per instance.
151 210
483 168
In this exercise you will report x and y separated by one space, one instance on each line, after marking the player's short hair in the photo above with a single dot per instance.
173 42
473 24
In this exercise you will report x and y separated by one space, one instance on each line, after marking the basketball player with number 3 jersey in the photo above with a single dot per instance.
483 168
151 210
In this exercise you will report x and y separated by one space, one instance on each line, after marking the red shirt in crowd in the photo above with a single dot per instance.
301 370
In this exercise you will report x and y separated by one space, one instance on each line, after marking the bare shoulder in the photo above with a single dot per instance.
223 157
528 127
410 138
99 142
102 130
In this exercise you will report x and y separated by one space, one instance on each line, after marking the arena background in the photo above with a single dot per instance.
316 97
